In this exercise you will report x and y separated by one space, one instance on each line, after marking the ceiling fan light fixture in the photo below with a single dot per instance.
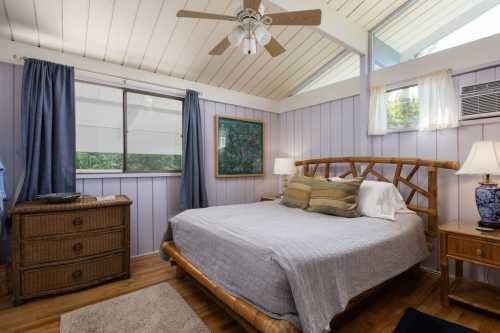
236 36
249 46
262 35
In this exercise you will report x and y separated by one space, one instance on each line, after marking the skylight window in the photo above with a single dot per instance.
483 26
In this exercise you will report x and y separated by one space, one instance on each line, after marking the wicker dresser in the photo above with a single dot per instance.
63 247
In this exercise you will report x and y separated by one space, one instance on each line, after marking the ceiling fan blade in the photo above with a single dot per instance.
253 4
274 48
202 15
221 47
303 17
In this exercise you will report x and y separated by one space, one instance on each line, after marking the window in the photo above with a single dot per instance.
402 108
484 26
346 67
121 130
425 27
154 127
99 128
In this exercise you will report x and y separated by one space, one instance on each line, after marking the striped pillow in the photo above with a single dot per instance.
335 198
298 192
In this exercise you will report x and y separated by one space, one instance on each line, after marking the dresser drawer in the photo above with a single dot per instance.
468 248
72 276
64 248
34 225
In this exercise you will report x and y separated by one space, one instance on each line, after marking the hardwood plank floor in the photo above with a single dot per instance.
379 314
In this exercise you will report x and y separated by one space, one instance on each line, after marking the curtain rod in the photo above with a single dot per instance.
22 58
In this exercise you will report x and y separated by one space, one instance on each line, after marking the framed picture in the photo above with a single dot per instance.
239 147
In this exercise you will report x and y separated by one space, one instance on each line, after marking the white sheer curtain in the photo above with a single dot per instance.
438 102
377 117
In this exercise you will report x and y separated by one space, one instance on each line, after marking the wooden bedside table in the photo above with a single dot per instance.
462 242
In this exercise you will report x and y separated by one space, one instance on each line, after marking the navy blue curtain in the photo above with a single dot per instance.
193 189
48 128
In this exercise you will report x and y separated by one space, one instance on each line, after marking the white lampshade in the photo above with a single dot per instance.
284 166
483 159
236 36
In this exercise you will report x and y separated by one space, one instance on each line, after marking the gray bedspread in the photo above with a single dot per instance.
292 264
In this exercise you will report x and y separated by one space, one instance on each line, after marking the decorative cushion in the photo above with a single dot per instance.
379 199
339 198
298 192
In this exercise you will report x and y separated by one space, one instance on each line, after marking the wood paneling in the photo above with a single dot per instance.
346 135
149 36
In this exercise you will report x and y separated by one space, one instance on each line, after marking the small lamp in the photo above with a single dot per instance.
484 159
284 167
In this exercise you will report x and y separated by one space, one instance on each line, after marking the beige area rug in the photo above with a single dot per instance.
155 309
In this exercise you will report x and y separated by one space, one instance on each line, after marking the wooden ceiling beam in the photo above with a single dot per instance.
334 24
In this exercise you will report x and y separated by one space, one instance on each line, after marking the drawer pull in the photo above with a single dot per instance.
78 221
479 252
77 274
77 247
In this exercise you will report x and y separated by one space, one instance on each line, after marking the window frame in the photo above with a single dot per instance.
126 90
406 129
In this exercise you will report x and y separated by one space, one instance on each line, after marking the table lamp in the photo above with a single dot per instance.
484 159
284 167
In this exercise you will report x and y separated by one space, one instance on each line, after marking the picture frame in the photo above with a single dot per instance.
239 147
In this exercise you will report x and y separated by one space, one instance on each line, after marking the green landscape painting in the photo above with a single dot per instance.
240 147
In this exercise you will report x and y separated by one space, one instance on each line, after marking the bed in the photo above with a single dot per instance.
285 270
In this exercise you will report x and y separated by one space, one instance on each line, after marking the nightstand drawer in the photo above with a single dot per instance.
36 225
65 277
66 248
468 248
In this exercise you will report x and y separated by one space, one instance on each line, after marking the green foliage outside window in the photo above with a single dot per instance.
402 111
135 162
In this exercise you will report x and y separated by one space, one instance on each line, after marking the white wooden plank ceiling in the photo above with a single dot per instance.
146 34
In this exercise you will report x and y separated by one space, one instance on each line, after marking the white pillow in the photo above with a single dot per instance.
379 199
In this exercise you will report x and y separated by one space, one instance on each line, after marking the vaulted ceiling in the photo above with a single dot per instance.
146 34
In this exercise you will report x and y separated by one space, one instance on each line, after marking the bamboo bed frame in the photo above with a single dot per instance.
256 321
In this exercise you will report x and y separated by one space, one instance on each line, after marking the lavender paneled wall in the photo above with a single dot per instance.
341 131
156 199
337 128
10 134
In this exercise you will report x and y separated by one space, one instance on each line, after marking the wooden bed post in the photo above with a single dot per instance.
432 201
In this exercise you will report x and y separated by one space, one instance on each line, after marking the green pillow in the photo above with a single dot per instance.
298 192
339 198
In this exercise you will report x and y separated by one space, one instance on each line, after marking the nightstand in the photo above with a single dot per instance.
462 242
268 198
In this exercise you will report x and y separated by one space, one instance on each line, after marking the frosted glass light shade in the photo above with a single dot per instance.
262 35
236 36
249 46
284 166
483 159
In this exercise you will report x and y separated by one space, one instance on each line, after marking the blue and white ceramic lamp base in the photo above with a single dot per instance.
488 205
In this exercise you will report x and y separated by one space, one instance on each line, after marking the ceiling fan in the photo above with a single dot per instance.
252 26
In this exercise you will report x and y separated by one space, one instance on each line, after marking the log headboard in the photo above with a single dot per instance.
370 166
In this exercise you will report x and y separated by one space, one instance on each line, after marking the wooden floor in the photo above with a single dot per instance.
380 314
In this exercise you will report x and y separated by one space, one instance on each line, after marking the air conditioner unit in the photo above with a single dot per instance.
480 101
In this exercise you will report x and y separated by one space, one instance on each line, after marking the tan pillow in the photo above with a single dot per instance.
339 198
298 192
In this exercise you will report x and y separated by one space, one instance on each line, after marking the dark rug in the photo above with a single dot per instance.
414 321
